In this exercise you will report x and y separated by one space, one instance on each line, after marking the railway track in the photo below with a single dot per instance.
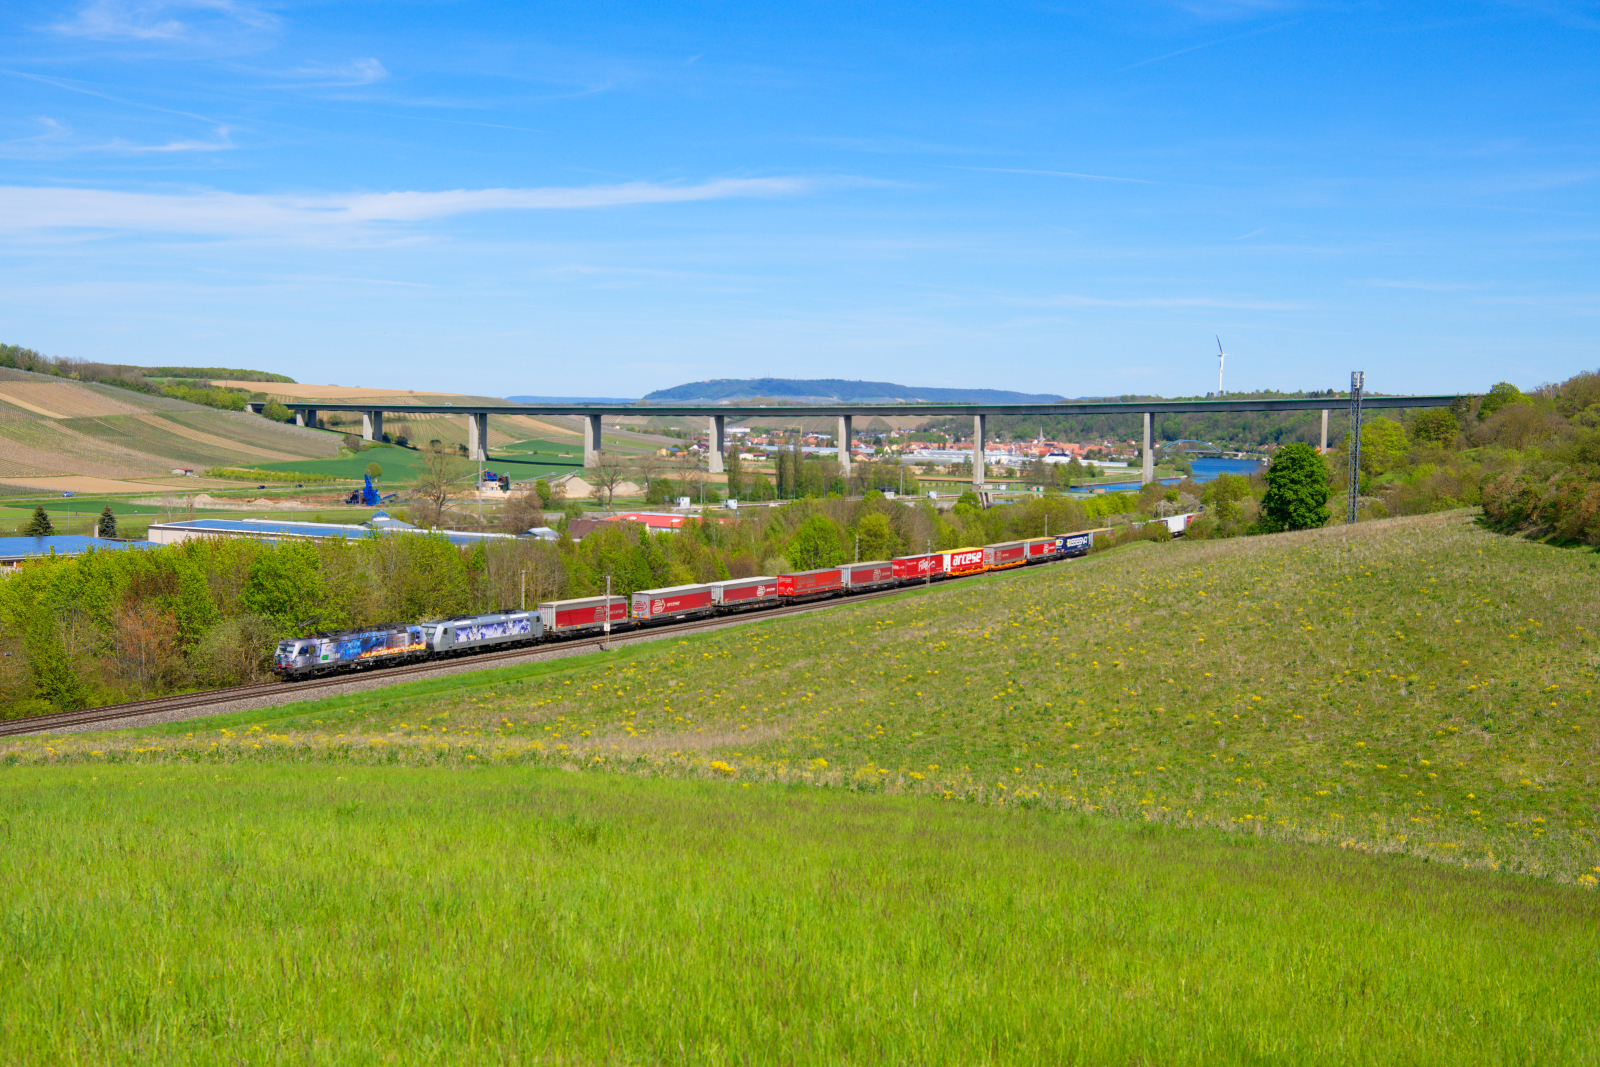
134 709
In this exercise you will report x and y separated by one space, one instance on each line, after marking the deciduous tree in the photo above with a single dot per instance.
1434 426
1297 490
816 543
1499 395
606 474
440 476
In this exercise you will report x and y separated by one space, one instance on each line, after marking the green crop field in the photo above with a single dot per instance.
404 464
1324 797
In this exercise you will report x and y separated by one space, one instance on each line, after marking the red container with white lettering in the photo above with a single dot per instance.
811 583
1042 548
964 561
862 576
918 568
1008 554
674 602
741 593
584 613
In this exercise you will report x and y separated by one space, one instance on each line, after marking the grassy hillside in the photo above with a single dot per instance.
1416 686
256 914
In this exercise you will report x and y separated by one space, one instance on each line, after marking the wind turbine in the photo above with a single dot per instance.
1220 356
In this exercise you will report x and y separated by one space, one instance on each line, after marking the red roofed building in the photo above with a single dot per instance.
654 521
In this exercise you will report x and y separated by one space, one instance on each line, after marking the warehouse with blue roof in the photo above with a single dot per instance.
14 551
381 524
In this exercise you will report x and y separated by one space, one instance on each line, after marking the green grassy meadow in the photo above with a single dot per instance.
320 913
1317 798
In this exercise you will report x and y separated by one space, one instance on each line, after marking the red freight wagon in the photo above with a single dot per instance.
745 592
1042 548
859 576
1009 554
916 568
963 561
585 613
811 583
672 603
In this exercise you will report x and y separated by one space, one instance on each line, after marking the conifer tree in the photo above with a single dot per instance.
40 525
107 526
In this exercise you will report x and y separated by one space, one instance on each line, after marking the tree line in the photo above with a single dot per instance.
107 626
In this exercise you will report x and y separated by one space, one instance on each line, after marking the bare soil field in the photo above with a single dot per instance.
74 483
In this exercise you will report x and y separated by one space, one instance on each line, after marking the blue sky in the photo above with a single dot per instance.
604 198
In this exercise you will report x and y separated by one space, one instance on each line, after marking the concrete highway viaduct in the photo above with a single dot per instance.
717 415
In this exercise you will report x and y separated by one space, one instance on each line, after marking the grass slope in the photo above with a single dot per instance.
325 914
1416 686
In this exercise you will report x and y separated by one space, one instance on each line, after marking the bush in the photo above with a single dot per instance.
1564 506
234 652
245 474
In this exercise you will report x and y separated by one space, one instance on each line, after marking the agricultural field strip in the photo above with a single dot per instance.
1418 686
263 433
158 439
40 445
65 401
170 425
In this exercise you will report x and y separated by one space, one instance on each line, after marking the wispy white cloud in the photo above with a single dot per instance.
362 71
58 141
215 213
166 20
222 143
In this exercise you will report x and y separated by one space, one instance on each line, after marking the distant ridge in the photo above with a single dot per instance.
835 390
570 400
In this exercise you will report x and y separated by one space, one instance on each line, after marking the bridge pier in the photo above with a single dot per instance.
1147 473
980 430
305 417
842 439
478 436
1324 429
372 425
718 442
591 440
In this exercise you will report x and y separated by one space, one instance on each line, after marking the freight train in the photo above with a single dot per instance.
377 646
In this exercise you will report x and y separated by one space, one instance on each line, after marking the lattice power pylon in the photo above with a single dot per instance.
1358 381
